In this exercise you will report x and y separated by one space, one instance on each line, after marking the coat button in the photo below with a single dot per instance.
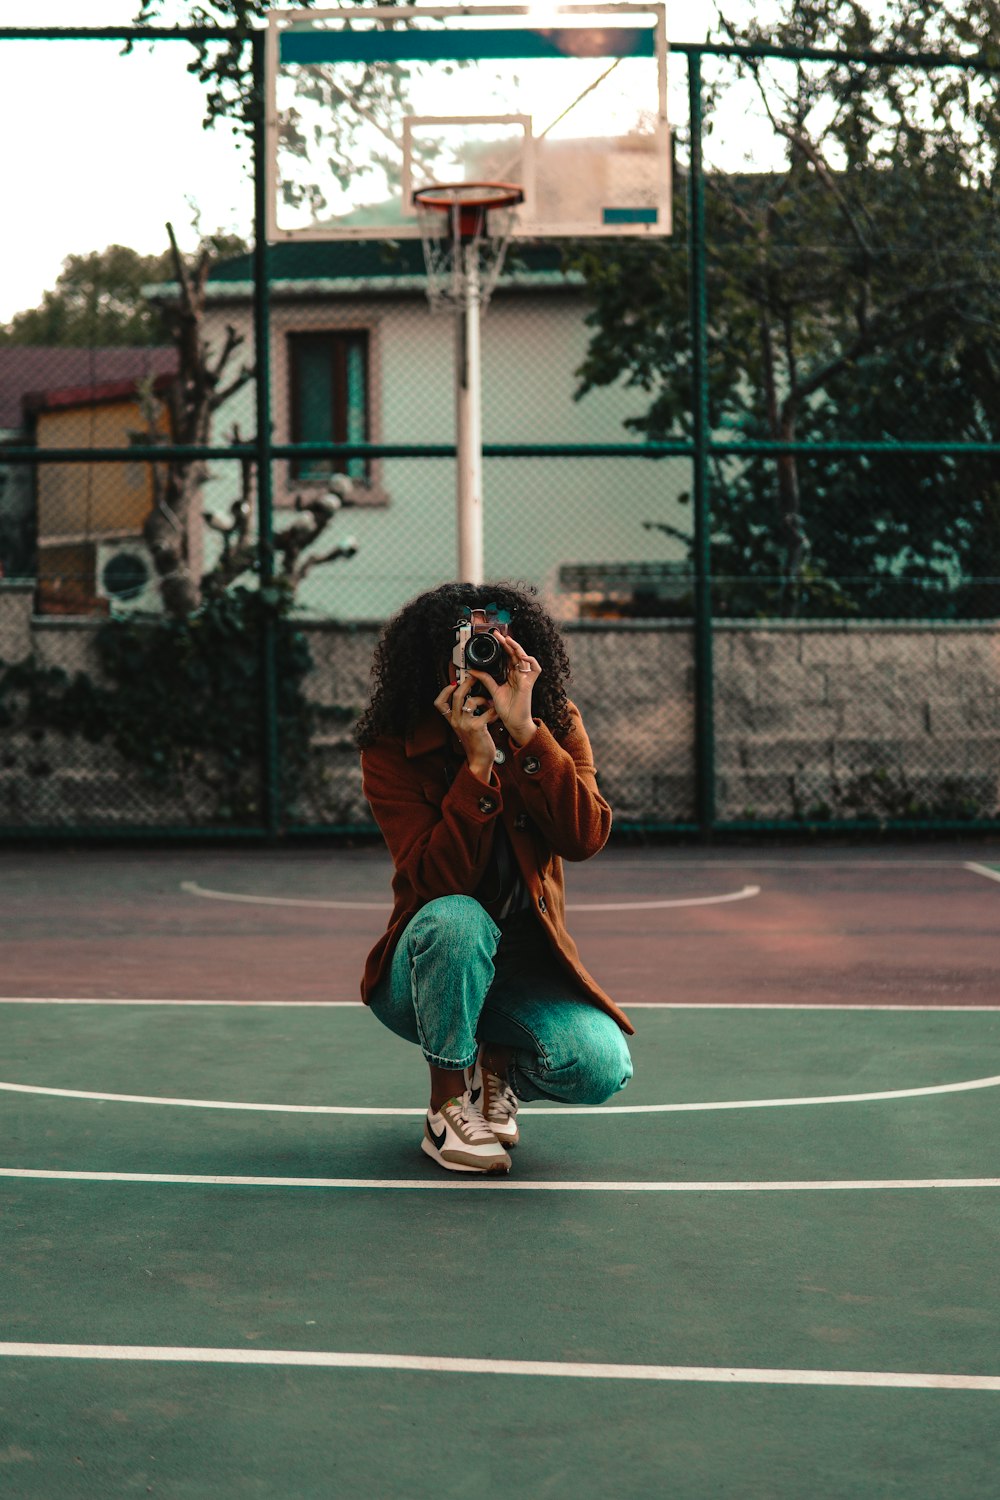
541 904
486 804
521 822
532 765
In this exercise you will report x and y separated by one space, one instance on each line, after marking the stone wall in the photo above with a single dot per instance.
813 722
867 720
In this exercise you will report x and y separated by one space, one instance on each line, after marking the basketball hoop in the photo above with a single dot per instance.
465 228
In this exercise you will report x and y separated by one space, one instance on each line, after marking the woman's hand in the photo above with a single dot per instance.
473 729
512 697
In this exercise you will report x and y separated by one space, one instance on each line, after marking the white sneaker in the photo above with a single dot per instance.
458 1138
497 1103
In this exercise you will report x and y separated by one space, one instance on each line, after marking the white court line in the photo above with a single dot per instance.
227 1004
679 861
560 1111
335 1360
971 1009
495 1183
194 889
982 870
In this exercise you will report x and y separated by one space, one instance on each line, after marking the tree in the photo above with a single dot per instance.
322 130
852 295
204 380
98 301
224 67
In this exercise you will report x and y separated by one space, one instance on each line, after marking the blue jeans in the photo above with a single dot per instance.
457 979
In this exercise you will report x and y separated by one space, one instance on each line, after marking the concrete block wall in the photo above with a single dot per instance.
813 721
16 602
633 688
868 719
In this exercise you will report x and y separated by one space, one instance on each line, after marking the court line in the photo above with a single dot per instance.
194 889
633 1004
435 1364
982 870
228 1004
558 1111
495 1182
680 861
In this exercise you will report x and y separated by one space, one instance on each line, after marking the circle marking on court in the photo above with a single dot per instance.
554 1111
194 889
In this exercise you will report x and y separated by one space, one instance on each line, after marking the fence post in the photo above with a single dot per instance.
270 761
704 705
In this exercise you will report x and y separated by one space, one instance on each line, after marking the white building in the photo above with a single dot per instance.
357 355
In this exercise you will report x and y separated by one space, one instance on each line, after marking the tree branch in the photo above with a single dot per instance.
236 384
233 340
345 549
875 334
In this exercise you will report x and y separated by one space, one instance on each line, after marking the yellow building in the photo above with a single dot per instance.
90 515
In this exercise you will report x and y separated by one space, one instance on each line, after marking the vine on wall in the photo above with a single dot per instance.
181 700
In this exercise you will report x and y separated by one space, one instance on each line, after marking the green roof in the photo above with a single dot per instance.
348 260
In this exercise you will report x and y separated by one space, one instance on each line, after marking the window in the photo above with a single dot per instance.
329 393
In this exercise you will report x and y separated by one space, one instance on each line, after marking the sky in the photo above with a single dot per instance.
102 149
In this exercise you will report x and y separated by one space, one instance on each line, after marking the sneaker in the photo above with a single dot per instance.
458 1138
497 1103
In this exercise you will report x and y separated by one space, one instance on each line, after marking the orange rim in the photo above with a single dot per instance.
471 195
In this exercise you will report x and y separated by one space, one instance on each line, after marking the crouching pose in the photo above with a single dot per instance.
479 773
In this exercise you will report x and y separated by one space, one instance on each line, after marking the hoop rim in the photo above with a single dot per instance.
467 195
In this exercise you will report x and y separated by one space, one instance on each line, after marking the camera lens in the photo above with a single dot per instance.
483 652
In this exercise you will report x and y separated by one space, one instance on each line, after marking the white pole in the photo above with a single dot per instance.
469 423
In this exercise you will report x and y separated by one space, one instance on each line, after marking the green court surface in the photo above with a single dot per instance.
714 1298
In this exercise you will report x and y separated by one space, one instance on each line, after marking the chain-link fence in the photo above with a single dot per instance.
751 468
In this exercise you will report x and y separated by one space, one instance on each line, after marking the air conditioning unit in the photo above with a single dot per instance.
126 576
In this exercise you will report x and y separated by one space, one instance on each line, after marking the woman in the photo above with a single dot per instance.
481 788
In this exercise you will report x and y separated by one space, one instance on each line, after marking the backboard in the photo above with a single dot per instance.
367 105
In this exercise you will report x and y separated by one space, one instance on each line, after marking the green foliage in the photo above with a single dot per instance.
852 295
225 70
223 66
97 300
886 794
182 700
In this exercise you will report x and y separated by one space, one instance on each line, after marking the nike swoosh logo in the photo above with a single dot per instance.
438 1140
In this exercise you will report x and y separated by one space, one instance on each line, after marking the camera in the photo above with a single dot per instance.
476 646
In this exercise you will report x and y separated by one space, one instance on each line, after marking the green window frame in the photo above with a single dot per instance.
330 403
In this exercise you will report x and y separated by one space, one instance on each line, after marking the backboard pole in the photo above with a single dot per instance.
469 422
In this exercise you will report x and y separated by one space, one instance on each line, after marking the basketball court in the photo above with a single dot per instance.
231 1269
767 1270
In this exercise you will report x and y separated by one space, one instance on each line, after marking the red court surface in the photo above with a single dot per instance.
843 925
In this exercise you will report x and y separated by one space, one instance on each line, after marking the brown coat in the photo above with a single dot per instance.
440 835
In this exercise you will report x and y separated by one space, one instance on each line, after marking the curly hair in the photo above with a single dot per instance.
405 671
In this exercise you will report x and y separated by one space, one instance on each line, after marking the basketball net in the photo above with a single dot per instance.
465 228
